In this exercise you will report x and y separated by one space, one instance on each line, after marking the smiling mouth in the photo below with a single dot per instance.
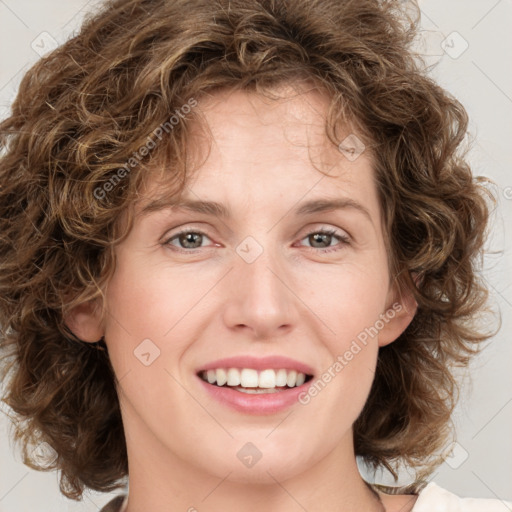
251 381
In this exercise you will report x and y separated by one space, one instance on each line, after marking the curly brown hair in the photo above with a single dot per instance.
86 109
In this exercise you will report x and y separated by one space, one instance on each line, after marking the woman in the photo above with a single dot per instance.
240 251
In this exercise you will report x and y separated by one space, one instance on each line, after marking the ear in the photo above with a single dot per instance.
401 306
85 322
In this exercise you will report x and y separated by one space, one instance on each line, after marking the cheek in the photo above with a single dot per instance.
150 301
147 308
348 299
147 298
349 303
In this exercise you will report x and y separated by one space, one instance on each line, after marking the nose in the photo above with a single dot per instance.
260 298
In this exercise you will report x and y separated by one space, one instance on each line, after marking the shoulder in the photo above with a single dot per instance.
433 498
114 505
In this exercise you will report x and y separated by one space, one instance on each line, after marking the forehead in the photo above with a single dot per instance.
244 145
248 126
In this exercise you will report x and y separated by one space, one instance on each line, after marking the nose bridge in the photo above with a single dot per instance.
259 298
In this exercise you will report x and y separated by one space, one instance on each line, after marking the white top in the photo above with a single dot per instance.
433 498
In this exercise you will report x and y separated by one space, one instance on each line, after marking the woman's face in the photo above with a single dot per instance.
259 281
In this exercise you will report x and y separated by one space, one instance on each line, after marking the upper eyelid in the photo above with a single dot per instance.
319 227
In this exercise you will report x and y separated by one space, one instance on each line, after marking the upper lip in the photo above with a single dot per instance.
258 363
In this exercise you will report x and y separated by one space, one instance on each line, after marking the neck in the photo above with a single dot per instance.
159 480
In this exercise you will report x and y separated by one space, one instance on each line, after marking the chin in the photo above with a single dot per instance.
246 464
265 473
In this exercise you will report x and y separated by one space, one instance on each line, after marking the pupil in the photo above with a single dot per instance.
189 237
320 237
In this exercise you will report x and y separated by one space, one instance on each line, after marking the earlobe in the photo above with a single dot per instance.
85 323
399 314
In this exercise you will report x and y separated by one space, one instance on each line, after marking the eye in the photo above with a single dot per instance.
188 240
320 240
325 237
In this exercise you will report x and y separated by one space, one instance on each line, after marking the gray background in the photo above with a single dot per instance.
471 64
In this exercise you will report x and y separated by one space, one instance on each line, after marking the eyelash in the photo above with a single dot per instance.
344 239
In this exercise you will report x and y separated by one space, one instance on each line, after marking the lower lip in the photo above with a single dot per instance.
265 403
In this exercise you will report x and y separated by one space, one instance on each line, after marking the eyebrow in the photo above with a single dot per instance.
219 210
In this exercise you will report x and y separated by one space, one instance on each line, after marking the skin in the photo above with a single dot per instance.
295 300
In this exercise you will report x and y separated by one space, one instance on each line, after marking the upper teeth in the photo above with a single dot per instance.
250 378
